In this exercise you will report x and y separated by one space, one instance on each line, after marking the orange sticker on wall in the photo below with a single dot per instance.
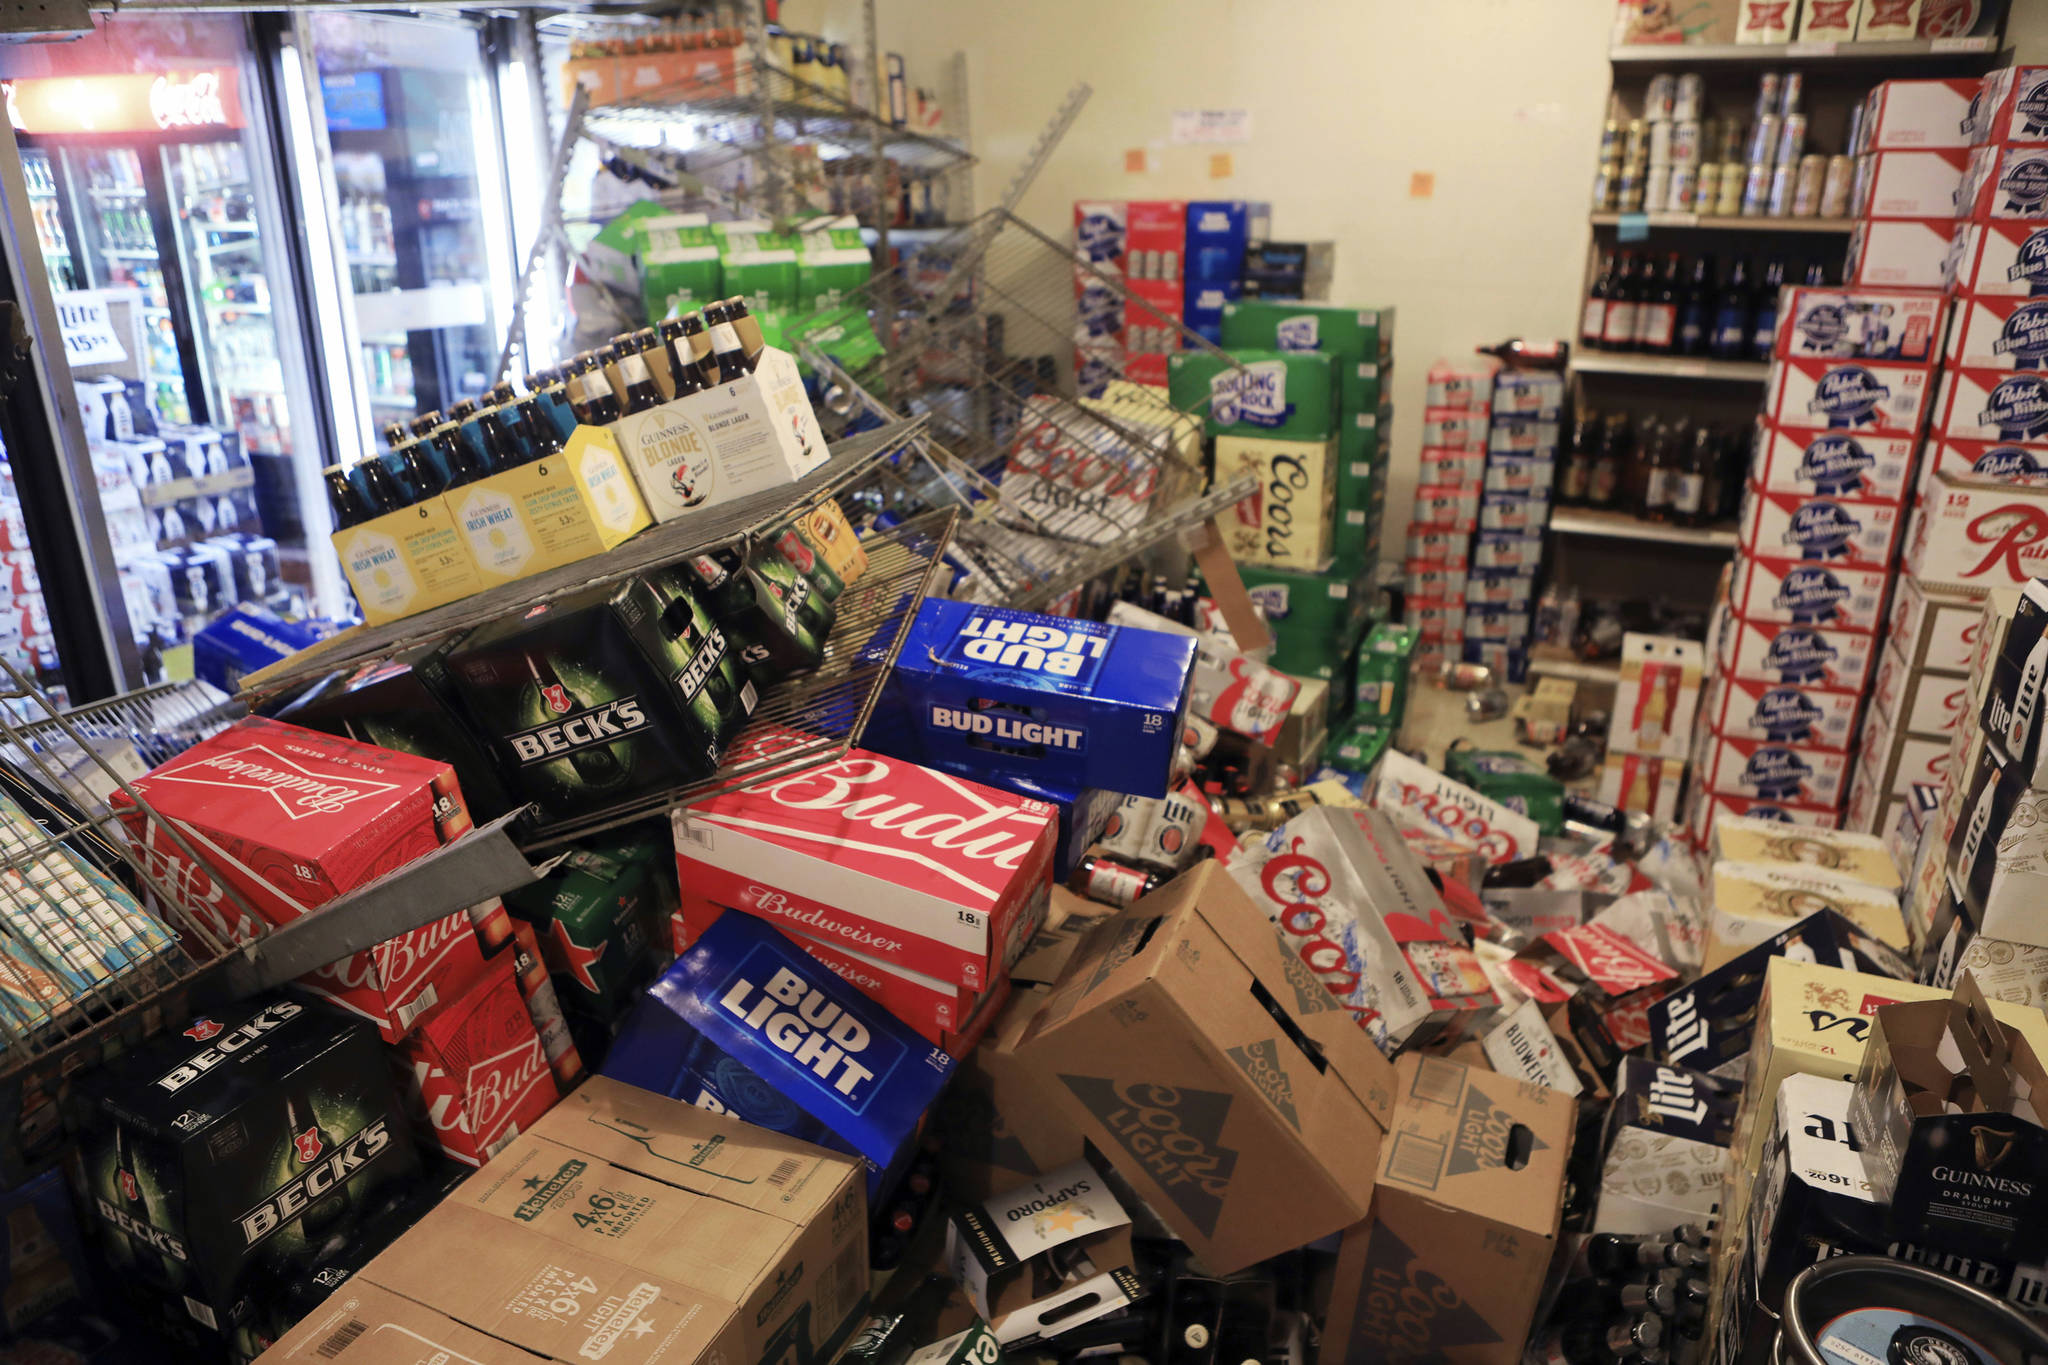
1134 161
1422 184
1220 166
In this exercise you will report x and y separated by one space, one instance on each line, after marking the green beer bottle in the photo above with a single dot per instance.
800 603
708 678
752 617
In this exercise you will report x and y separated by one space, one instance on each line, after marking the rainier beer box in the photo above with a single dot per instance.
746 1023
1813 462
879 857
474 1076
1919 702
1933 630
225 1155
1969 537
1058 699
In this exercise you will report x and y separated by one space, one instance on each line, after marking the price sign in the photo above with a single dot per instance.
89 337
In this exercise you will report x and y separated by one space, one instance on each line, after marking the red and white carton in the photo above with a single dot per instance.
1818 530
1440 582
292 819
2013 106
1848 395
1895 758
1449 509
1713 805
1447 468
1797 656
1992 405
1936 631
1903 253
1437 546
882 857
1766 770
1466 384
1917 183
2006 182
1813 717
1644 783
1829 21
1812 461
1455 428
2005 259
1109 232
2000 334
1930 704
1833 322
1887 21
1801 592
1922 113
475 1076
1438 618
1766 21
1988 461
1970 537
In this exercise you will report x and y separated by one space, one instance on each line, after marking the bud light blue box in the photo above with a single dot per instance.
747 1024
1219 230
246 639
1063 702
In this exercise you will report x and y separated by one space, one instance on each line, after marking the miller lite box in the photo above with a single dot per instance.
745 1023
2004 259
1768 771
1919 113
1788 655
2016 676
1813 462
222 1157
1812 717
1666 1140
1998 856
881 857
1922 702
475 1076
1821 530
1988 461
293 818
1801 593
2014 185
1969 537
1902 253
1061 700
1832 322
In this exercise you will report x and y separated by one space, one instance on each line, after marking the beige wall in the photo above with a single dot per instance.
1499 100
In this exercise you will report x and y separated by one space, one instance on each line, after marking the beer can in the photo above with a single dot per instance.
1659 98
1767 94
1687 144
1660 143
1690 98
1834 190
1763 141
1628 194
493 924
1685 184
1657 188
1141 265
1756 191
1813 169
1789 101
1604 186
1792 141
1860 182
1731 140
1782 181
1610 140
1637 145
1709 187
1853 145
1169 265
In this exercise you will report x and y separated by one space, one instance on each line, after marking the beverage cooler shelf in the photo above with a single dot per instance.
1911 51
1713 223
1594 521
1670 367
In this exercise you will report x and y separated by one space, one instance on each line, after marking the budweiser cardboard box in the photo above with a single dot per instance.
1666 1140
1892 759
634 1229
1810 717
831 854
474 1076
1471 1190
1799 656
1215 1073
2006 259
1835 323
294 818
1782 591
1906 253
1849 395
1660 690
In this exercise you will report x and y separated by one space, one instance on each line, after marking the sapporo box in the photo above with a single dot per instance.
747 1023
222 1156
293 819
474 1075
1062 700
1471 1189
881 857
1219 1077
632 1229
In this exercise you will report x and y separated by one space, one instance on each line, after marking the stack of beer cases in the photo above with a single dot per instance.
1911 142
1140 244
1521 467
1441 550
1824 514
1218 231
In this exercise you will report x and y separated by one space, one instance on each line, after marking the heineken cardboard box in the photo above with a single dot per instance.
710 447
1257 393
679 267
365 1325
1470 1197
407 561
633 1229
221 1157
746 1023
757 261
832 263
1290 520
552 511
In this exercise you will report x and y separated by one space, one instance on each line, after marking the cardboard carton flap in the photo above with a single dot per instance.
366 1325
1479 1142
694 1149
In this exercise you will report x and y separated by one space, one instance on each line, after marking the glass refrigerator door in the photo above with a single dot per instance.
119 250
51 235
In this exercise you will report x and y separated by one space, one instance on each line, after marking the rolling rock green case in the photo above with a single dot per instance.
1256 393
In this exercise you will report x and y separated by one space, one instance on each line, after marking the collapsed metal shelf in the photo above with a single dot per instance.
1078 565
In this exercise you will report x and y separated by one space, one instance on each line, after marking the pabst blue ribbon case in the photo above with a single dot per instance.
1813 462
1863 324
1992 405
1798 593
1992 461
746 1024
2001 259
1768 771
1821 530
1815 717
2000 334
1063 700
1775 653
1918 113
1905 253
1848 395
881 857
2012 106
2013 184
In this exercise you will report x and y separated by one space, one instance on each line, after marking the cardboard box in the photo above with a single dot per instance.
679 267
1970 536
1181 1040
993 1248
501 1253
1920 183
1768 771
710 447
2003 259
1416 796
407 561
1992 405
551 512
1859 857
1659 692
1933 630
1471 1188
1316 618
2000 334
1289 521
1998 856
1755 901
1987 461
1815 462
1642 783
1835 322
1712 806
1789 655
1821 530
2014 185
1796 592
1810 717
1944 1100
1921 113
366 1325
1665 1140
2013 688
1920 702
1849 395
1108 232
474 1076
1508 551
998 1123
1897 21
1906 253
1281 394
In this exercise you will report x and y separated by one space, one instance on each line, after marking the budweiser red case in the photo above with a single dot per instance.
294 818
881 857
2003 259
1969 537
1848 395
1811 461
1801 655
1817 717
1766 771
1835 322
2000 334
475 1075
1992 405
1821 530
1922 703
1795 592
